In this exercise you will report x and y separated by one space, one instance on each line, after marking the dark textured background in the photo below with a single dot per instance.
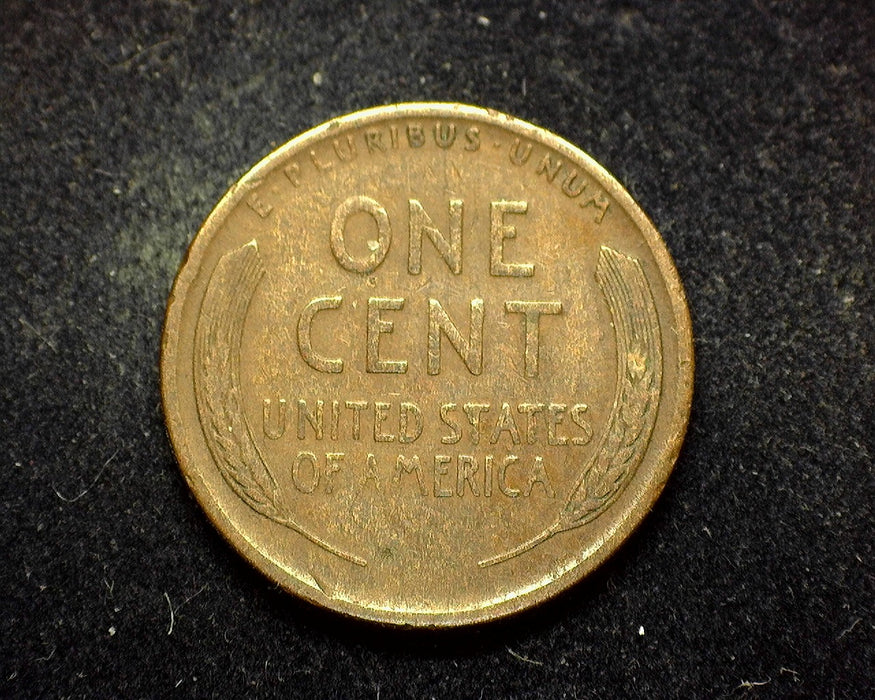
744 129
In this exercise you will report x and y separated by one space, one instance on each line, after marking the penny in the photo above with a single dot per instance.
427 364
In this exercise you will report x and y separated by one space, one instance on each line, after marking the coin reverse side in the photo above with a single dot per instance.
427 364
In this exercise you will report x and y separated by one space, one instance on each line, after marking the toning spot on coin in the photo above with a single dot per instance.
427 364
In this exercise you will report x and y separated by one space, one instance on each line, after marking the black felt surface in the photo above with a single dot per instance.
744 129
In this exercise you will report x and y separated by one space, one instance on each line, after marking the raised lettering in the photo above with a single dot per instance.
335 419
371 471
467 468
305 483
532 311
374 140
313 418
444 134
555 416
259 206
530 409
345 149
499 231
470 350
330 365
505 423
450 251
377 326
472 136
409 422
415 135
293 173
601 203
502 477
409 466
381 411
539 476
273 423
440 470
473 411
332 466
519 154
318 164
548 167
456 435
578 417
379 248
573 184
356 407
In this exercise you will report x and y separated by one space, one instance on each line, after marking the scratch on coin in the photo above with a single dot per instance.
89 487
317 583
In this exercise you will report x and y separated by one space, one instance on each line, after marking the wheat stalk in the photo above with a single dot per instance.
217 391
636 399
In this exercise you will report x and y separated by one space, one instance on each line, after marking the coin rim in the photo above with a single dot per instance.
635 512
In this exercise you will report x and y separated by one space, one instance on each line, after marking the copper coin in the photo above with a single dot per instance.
427 364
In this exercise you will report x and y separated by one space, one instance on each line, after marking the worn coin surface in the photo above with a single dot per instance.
427 364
